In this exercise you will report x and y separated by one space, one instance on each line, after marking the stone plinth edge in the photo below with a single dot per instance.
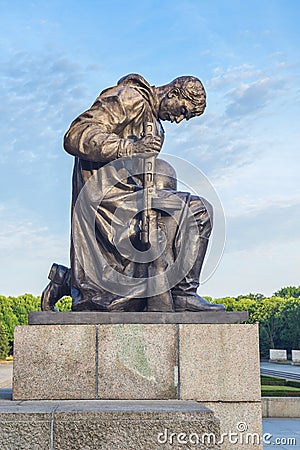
94 318
105 425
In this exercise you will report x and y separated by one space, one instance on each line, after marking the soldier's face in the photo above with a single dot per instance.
175 108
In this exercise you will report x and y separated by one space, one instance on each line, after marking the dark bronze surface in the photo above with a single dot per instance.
129 223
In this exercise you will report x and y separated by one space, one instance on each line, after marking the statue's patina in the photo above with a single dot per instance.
137 244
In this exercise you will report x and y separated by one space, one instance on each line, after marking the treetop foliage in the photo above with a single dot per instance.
288 292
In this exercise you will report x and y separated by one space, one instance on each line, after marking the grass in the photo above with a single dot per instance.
278 387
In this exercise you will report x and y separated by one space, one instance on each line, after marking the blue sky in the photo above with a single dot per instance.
57 56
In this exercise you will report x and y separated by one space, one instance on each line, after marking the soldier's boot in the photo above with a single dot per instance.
59 286
185 293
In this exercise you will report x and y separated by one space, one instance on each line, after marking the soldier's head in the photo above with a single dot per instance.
183 98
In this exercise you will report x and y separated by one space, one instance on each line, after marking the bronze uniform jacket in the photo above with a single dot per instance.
101 135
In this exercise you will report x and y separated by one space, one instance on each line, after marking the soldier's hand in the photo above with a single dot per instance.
147 146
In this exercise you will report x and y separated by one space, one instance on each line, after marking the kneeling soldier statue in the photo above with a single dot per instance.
137 243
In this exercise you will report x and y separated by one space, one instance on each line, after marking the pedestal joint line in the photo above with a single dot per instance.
97 362
178 361
52 428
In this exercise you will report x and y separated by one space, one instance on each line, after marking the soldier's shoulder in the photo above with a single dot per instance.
123 92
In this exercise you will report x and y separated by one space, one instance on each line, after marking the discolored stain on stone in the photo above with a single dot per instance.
137 361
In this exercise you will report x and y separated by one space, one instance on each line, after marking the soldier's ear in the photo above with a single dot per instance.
174 92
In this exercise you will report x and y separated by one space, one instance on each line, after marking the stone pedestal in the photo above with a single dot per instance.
219 366
91 362
107 425
215 364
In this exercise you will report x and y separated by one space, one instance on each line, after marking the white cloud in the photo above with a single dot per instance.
250 98
264 268
40 95
274 224
27 250
232 75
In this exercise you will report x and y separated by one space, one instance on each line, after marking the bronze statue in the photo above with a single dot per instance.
137 244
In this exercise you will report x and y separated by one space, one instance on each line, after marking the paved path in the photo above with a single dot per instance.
6 375
281 434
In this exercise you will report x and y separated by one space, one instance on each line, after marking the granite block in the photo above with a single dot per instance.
240 424
137 361
107 425
54 362
150 425
25 426
203 362
219 362
296 356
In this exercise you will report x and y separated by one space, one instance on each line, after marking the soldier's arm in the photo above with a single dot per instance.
95 134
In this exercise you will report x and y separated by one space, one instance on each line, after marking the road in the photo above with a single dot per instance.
281 434
286 371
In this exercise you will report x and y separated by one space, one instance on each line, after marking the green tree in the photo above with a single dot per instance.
8 317
4 347
14 312
64 304
289 325
251 296
288 292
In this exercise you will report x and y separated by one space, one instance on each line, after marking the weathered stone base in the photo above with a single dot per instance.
90 362
214 364
203 362
240 424
107 425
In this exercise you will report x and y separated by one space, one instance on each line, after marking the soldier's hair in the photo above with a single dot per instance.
191 88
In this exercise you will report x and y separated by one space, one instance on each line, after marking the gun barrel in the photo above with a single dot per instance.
148 188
